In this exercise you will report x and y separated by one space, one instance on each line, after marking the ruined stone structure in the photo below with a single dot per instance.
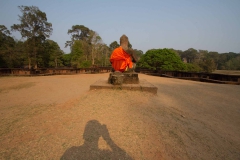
123 76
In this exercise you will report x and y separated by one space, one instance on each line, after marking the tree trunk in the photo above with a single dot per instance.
93 57
55 62
29 62
35 53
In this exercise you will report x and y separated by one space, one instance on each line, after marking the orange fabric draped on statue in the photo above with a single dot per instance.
120 60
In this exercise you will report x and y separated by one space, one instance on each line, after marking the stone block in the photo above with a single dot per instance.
118 78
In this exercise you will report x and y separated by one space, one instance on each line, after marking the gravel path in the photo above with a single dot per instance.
58 117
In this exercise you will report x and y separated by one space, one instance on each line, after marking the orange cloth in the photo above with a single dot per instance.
120 60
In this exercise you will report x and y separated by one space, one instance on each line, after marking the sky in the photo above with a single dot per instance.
212 25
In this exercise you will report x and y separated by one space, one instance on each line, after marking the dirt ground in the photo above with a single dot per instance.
58 117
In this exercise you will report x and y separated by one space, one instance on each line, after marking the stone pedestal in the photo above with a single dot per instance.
118 78
124 81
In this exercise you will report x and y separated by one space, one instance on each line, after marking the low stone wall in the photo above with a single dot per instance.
205 77
51 71
15 71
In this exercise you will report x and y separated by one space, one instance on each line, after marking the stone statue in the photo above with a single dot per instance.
123 58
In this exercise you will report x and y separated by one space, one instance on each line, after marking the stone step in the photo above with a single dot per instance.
143 85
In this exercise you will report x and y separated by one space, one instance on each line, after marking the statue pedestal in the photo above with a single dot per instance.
124 81
118 78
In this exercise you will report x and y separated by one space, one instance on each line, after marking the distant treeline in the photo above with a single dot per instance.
215 60
189 60
36 50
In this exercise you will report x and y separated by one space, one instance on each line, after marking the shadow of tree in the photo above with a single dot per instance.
89 150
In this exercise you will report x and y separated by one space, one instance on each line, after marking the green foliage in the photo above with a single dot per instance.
139 53
207 65
10 50
233 63
87 49
33 26
66 58
190 54
129 44
53 53
91 47
164 59
6 47
33 23
193 67
78 32
85 64
113 45
77 54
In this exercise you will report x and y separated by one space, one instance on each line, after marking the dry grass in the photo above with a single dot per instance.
230 72
17 87
186 120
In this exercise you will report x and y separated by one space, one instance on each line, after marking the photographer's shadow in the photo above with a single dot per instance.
89 150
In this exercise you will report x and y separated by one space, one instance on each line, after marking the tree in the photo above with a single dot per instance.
178 52
236 63
33 25
67 59
54 53
139 53
129 44
77 32
4 32
96 44
164 59
77 54
214 56
193 67
190 54
207 65
113 45
8 56
105 55
83 34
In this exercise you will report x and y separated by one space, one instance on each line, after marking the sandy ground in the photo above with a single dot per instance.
58 117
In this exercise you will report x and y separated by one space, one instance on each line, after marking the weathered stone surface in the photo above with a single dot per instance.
118 78
143 85
115 78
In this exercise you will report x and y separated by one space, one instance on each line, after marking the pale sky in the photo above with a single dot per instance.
212 25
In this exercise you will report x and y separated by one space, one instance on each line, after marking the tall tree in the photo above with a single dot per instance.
105 55
81 33
7 45
77 32
96 44
33 24
77 54
54 53
190 54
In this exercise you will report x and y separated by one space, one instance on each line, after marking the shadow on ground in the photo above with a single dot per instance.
90 150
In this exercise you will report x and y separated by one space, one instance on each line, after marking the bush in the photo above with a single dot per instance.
164 59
